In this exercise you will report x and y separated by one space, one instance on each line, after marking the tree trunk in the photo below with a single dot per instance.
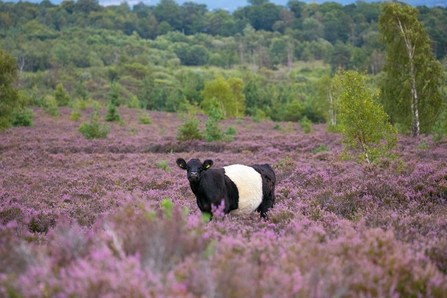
331 111
241 51
415 123
289 59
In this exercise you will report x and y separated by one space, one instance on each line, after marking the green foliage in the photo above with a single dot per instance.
212 129
306 125
9 95
410 64
99 56
423 145
81 104
321 148
224 96
132 102
189 130
256 118
75 115
51 107
94 130
163 164
114 94
440 127
144 118
231 130
61 95
363 123
22 118
167 205
112 113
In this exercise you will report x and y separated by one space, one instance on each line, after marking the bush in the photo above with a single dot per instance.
22 118
440 127
144 118
363 123
50 107
82 104
75 115
189 130
133 102
306 124
212 130
163 164
231 131
94 130
112 113
321 148
61 95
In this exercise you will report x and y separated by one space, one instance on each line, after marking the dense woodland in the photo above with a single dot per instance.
278 58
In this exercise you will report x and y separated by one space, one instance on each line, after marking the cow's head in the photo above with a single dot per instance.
194 168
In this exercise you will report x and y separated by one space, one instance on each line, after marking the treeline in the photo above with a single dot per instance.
270 32
283 55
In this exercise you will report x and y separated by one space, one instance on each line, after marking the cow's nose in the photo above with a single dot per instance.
194 175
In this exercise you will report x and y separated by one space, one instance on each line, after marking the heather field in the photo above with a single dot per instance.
115 217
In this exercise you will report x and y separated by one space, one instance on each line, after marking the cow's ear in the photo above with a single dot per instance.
207 164
181 163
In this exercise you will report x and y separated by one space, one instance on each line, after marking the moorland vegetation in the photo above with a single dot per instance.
103 100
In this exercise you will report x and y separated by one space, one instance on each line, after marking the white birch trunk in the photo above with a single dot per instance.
415 123
331 111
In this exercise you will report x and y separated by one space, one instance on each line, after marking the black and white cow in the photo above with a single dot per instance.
243 189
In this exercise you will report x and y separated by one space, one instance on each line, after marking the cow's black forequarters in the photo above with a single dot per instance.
243 189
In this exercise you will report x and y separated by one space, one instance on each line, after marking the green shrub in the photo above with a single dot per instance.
163 164
306 124
61 95
423 145
94 130
132 102
50 107
212 130
189 130
231 131
112 113
256 118
144 118
363 123
321 148
439 129
75 115
277 126
96 105
22 118
82 104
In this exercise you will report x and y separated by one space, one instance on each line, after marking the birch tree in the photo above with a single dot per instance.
363 123
410 89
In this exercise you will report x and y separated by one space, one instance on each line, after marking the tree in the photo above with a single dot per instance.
218 96
278 51
114 94
9 95
411 85
61 95
169 11
363 123
237 87
312 29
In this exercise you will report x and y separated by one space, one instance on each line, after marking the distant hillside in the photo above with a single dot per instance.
232 5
